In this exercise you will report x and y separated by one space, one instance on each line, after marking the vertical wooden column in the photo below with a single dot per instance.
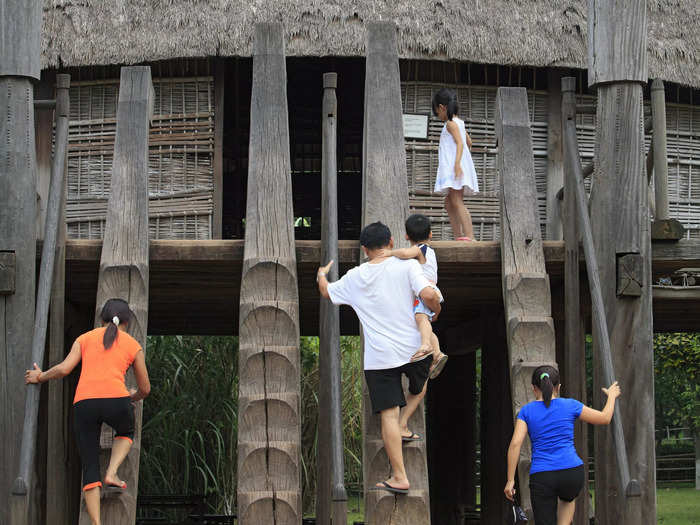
269 475
663 227
526 295
496 418
555 158
124 271
331 496
219 113
57 420
20 26
574 373
620 227
385 199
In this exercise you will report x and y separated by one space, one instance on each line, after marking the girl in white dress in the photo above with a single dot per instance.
456 174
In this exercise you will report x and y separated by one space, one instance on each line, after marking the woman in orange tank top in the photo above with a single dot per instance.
101 396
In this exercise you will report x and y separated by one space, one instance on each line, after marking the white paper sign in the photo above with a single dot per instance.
415 126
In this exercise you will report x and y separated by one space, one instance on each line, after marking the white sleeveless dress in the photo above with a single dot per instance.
447 153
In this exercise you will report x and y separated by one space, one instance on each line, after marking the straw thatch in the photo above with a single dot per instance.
514 32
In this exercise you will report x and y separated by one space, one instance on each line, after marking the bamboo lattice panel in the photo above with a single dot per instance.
181 147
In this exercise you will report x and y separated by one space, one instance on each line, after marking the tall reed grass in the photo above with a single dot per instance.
190 418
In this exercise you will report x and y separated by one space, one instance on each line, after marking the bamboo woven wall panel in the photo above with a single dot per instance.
477 107
181 145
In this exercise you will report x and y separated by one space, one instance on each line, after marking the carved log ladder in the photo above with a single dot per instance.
526 295
269 390
385 198
124 261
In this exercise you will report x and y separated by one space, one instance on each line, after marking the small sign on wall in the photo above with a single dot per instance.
415 126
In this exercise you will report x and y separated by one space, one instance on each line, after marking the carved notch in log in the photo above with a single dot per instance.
124 260
526 295
269 390
385 198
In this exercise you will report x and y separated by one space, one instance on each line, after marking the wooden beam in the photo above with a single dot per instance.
43 123
574 369
219 120
269 445
20 27
526 295
124 265
331 496
620 226
555 159
385 199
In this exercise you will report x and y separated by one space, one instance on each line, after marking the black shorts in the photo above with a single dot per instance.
385 388
89 414
546 488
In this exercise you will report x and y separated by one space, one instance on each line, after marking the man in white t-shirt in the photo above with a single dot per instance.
382 292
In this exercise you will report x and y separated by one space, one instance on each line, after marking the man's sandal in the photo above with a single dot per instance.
390 488
412 437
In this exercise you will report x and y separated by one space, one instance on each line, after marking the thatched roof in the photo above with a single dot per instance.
515 32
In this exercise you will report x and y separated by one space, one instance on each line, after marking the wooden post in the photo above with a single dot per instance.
20 26
331 496
574 376
526 294
43 123
621 238
663 227
124 271
269 474
496 418
385 199
219 117
555 159
57 420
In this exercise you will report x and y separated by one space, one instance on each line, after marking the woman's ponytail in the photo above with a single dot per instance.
546 378
114 313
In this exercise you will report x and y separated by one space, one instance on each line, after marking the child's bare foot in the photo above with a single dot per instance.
423 351
112 480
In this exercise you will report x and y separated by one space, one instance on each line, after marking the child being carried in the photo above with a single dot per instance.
418 233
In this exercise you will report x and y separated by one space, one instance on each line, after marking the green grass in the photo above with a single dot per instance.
678 506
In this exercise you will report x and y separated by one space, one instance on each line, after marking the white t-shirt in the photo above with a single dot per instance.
382 296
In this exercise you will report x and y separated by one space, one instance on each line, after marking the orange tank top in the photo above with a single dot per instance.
102 374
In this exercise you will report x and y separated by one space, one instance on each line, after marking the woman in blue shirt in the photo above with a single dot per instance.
556 472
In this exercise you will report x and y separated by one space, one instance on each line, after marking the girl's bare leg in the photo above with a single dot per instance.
461 212
426 332
120 449
565 512
92 503
454 217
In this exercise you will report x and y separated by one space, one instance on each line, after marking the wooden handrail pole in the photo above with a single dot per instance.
48 253
630 486
331 496
658 112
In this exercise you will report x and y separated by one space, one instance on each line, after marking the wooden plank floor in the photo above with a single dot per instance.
194 285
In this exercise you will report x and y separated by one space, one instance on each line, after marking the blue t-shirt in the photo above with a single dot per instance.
552 433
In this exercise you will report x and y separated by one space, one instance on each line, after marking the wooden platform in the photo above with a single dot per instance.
194 285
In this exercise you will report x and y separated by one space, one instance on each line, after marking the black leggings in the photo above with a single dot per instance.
89 414
548 487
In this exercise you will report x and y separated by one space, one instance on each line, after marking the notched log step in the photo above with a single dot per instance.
527 294
530 338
